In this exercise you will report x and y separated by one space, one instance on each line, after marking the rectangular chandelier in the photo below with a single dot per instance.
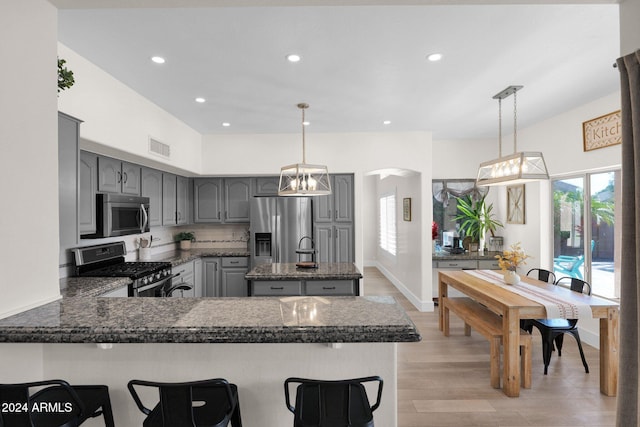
513 169
301 179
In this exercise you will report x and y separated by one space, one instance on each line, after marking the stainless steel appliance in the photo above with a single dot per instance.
150 279
120 215
277 226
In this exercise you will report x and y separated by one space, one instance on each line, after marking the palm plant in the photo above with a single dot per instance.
477 218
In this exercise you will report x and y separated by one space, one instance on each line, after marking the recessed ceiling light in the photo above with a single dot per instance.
226 124
305 123
293 58
386 122
434 57
200 100
158 59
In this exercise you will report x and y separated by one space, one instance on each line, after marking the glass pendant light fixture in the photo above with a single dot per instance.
301 179
518 167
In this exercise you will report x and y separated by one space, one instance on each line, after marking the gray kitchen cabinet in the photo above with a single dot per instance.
304 287
233 283
324 242
337 206
211 276
198 284
88 172
334 242
152 188
343 241
116 176
330 287
68 160
266 186
218 200
175 199
237 192
207 200
276 288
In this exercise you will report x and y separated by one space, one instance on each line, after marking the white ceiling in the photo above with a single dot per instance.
360 65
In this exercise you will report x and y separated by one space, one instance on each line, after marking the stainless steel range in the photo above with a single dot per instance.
150 279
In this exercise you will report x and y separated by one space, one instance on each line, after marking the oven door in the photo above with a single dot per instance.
156 290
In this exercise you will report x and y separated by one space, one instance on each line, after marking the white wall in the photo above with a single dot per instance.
117 117
28 164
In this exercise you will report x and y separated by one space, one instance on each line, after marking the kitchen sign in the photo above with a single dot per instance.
602 131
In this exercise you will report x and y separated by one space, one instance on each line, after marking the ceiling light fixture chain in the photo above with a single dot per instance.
499 127
303 107
515 122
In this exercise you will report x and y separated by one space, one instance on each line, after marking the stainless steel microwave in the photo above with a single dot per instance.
120 215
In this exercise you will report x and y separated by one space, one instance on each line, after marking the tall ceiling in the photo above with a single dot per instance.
361 65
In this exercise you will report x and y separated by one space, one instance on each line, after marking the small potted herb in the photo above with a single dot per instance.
185 238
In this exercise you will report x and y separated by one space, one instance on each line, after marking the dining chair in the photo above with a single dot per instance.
542 274
53 403
206 403
322 403
553 330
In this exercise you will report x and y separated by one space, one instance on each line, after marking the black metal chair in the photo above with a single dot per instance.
206 403
553 330
542 274
339 403
54 403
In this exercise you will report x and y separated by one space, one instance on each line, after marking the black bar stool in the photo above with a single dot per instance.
338 403
55 404
206 403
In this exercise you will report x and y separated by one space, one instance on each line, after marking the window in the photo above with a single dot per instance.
583 229
388 223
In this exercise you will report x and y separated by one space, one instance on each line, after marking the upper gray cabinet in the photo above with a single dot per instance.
337 206
88 171
218 200
237 192
116 176
152 188
266 186
175 199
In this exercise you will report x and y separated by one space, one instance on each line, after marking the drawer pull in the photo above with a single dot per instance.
329 288
234 262
276 288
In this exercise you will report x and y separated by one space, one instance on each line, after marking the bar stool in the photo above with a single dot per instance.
338 403
206 403
55 404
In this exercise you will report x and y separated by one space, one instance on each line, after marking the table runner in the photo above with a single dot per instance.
556 306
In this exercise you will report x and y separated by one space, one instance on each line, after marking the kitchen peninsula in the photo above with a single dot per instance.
280 279
255 343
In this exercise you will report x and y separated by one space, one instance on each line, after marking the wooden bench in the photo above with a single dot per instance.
488 324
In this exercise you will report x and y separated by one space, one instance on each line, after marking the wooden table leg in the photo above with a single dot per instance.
609 340
442 293
511 346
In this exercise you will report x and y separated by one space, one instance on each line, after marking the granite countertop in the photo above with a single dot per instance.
471 256
90 286
212 320
180 257
325 271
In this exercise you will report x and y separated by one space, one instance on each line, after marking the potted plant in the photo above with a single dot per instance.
185 238
477 218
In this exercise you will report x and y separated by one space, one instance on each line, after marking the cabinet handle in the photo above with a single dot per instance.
329 288
218 214
276 288
125 177
119 177
336 217
234 262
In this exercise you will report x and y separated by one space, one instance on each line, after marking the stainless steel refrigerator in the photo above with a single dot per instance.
278 224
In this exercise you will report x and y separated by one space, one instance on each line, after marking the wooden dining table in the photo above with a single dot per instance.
513 307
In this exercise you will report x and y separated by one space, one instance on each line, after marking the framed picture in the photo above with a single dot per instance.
603 131
406 208
515 204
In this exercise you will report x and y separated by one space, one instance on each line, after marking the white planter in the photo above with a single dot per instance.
185 245
511 277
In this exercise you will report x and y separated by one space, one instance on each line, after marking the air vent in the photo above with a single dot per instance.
159 148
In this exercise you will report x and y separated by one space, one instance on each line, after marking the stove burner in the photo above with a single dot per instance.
133 270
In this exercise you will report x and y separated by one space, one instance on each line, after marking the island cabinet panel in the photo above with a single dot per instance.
152 188
330 287
88 171
207 200
237 192
277 288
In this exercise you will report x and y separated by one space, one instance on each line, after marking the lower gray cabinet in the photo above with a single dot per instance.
270 288
304 287
232 277
198 283
211 276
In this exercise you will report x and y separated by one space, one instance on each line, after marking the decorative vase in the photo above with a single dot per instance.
511 277
185 245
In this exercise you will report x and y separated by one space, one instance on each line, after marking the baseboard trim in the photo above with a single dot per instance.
417 303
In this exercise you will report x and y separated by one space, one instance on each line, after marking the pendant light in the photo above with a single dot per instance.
301 179
518 167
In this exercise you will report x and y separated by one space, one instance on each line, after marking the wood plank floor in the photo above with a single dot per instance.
445 381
